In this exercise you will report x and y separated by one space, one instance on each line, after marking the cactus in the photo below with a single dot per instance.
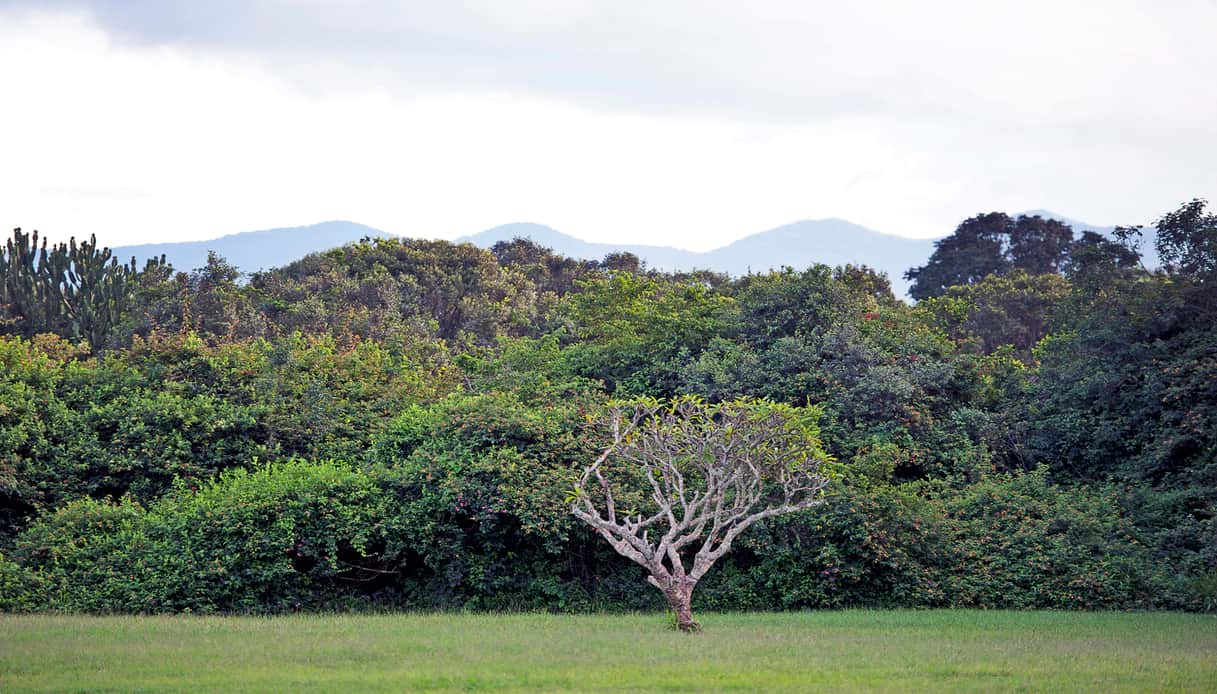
79 291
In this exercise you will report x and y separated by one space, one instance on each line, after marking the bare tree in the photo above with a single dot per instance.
680 481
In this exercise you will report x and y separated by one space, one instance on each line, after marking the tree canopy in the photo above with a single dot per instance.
402 423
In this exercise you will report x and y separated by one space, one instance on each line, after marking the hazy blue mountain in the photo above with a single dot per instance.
251 251
828 241
662 257
799 244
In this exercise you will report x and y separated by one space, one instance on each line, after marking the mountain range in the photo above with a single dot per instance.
799 244
251 251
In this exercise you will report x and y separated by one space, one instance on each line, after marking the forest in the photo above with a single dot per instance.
398 423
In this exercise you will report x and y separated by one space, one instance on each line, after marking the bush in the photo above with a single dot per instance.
177 407
282 537
866 546
90 556
1021 541
21 590
477 486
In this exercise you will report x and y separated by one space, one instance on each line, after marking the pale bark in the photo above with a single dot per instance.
709 473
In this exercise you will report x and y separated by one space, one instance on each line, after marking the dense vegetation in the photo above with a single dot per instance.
399 422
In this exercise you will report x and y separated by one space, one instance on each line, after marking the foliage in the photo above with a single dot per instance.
77 290
1040 430
278 538
634 331
21 589
1015 310
1023 542
176 407
994 244
477 483
1187 241
1095 261
398 287
92 556
972 253
869 545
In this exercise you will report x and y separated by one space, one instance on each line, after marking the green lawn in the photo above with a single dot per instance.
848 650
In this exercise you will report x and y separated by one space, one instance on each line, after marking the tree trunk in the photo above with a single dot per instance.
680 599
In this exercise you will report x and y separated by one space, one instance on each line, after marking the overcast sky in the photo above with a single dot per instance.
682 123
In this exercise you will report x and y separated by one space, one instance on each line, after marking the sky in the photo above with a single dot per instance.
683 123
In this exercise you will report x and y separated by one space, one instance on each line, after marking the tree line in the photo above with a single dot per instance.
401 423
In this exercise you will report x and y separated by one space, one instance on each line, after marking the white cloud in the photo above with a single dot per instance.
686 124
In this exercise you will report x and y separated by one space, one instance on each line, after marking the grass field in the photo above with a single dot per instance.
849 650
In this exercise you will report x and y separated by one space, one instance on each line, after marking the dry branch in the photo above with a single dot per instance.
701 475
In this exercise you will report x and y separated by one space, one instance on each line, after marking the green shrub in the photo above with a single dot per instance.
282 537
1204 591
475 485
90 556
175 407
21 590
1021 541
866 546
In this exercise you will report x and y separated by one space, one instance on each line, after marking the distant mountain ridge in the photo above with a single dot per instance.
251 251
662 257
798 245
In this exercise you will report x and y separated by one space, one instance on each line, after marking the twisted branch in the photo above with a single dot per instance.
709 473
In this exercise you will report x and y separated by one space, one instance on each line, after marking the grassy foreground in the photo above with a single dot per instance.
863 650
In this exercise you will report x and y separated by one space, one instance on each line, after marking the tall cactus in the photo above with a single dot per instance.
79 291
25 289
